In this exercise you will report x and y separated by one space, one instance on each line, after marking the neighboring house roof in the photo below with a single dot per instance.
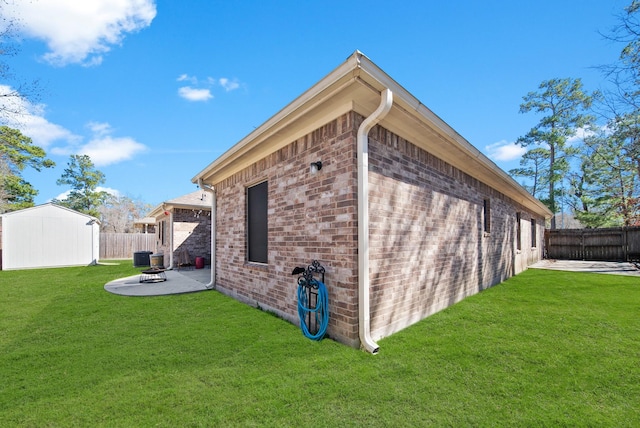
199 200
357 85
45 207
145 220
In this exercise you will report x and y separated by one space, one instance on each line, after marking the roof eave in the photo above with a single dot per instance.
489 173
342 74
168 206
359 69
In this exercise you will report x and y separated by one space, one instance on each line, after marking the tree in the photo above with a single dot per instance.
84 180
118 213
622 104
4 189
18 152
613 156
564 104
625 72
15 93
580 195
610 184
534 167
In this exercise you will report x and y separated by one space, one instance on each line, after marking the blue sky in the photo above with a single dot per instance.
154 91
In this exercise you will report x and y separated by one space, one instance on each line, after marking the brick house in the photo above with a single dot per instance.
183 229
144 225
406 216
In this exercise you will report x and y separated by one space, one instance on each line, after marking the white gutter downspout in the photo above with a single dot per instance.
164 210
364 311
212 191
170 239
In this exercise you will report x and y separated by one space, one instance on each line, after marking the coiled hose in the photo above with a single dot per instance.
321 310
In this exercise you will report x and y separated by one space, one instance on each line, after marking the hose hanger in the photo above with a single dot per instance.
306 278
312 300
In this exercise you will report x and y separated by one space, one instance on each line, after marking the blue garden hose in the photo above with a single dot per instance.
321 310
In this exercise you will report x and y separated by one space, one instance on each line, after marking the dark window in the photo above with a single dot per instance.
518 232
257 223
161 232
533 233
487 216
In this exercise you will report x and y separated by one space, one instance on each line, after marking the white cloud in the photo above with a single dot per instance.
81 31
30 120
201 90
99 128
109 190
186 78
580 135
194 94
44 133
504 151
227 84
103 148
64 195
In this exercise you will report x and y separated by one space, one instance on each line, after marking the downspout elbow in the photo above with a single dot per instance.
364 310
211 190
386 101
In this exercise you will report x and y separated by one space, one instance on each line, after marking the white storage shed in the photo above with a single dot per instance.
48 236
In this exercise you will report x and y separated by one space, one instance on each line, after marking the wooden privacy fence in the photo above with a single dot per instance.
610 244
123 245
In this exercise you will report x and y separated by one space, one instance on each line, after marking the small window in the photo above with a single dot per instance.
518 232
487 216
533 233
257 223
161 232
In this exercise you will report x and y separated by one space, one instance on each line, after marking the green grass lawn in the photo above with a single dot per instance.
545 348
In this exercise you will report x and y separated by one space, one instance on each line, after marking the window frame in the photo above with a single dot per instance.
519 231
257 222
534 238
486 216
161 232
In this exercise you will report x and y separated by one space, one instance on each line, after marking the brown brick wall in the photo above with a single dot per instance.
311 217
192 231
428 249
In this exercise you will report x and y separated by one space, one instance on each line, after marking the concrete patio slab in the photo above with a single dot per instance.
613 268
178 282
194 280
